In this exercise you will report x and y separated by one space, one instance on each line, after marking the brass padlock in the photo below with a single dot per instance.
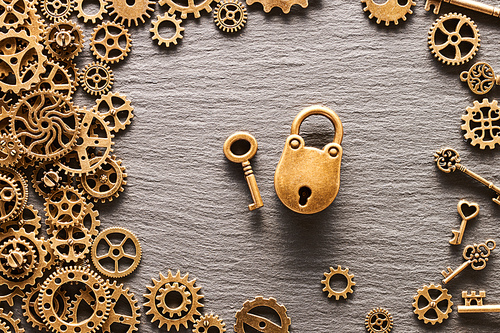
307 179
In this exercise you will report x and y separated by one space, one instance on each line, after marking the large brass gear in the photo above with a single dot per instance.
96 78
12 201
482 124
389 11
116 252
204 323
230 15
28 220
56 78
92 281
17 49
10 150
153 302
116 110
91 17
56 10
34 25
71 244
464 34
64 39
7 320
106 182
346 290
13 13
169 39
190 8
162 297
378 320
65 207
246 317
437 313
126 14
285 5
46 123
47 178
114 45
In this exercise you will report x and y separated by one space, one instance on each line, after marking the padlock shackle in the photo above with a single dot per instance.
322 111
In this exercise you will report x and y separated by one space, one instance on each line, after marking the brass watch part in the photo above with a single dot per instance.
246 317
191 7
114 45
426 305
65 207
230 15
116 110
338 293
206 322
96 78
481 124
167 40
379 320
388 11
92 17
126 14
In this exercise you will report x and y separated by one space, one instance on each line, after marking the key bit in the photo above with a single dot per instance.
472 211
474 303
249 145
469 4
448 161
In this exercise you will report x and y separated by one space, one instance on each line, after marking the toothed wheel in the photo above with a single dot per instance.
167 40
113 44
454 39
56 10
64 39
126 14
190 8
230 15
432 304
92 17
116 110
65 208
10 150
13 13
248 316
389 11
205 324
379 320
96 78
7 321
482 124
342 293
285 5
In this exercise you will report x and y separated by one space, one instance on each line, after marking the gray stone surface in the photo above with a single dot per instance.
393 216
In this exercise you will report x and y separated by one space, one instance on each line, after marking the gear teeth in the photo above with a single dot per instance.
390 11
440 315
347 289
475 127
259 301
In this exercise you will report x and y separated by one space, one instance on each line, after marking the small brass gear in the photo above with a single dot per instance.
10 150
126 14
114 45
190 8
285 5
91 17
48 177
17 258
206 322
71 244
431 305
171 39
13 13
153 302
173 288
116 110
245 316
230 15
56 10
462 40
12 201
64 39
389 11
65 207
7 320
347 289
96 78
28 220
378 320
482 124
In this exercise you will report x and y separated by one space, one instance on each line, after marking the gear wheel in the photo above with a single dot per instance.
92 281
378 320
206 322
17 258
172 39
456 34
34 25
91 17
347 289
482 124
10 150
96 78
7 320
173 288
9 296
389 11
65 208
191 8
109 48
126 14
438 307
13 13
120 296
56 10
285 5
12 201
246 317
47 177
56 78
230 15
71 244
116 110
153 302
28 220
64 39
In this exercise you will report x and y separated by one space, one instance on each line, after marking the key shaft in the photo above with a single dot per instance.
449 275
252 184
468 4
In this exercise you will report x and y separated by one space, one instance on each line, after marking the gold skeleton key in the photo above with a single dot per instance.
247 141
469 4
476 256
474 303
448 160
472 211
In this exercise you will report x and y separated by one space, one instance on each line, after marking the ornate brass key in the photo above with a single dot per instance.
473 210
469 4
247 140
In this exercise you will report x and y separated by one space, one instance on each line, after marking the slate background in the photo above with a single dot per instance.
393 216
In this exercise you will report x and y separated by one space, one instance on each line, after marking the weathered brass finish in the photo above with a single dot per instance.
469 4
476 256
426 304
448 160
464 204
307 179
480 78
474 303
245 162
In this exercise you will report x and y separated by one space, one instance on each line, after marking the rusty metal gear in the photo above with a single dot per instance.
153 302
346 290
389 11
230 15
65 208
432 308
285 5
245 316
116 110
97 16
10 150
48 177
482 124
28 219
454 34
204 324
106 182
169 39
56 10
378 320
71 244
7 320
96 78
126 14
110 42
190 8
13 13
64 39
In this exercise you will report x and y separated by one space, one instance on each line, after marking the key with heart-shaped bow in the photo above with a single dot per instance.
467 211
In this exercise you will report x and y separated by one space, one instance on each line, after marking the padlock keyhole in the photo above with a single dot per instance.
304 194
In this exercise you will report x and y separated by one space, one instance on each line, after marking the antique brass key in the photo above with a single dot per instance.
474 303
247 140
476 256
469 4
472 213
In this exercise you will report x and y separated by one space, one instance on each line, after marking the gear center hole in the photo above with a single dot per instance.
173 299
167 30
131 3
338 282
91 7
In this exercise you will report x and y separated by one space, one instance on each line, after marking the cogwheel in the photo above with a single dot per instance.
167 40
285 5
116 110
390 11
126 14
206 322
109 48
11 199
9 296
30 308
173 288
71 244
17 258
92 281
96 78
7 320
65 207
230 15
34 25
347 289
482 124
121 296
378 320
13 13
438 307
463 41
56 78
153 303
191 8
246 317
70 67
28 220
64 39
91 17
10 150
47 177
56 10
